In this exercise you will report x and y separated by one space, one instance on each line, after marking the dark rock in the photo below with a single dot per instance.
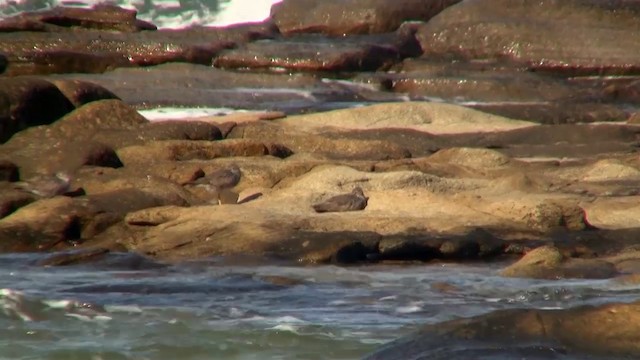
571 37
3 63
593 332
338 18
183 150
98 51
354 201
82 92
100 17
311 53
182 84
66 156
559 112
12 199
475 245
30 102
9 171
74 257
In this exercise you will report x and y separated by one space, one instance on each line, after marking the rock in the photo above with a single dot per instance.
31 102
354 201
557 112
99 17
82 92
60 222
3 63
479 160
62 156
12 199
192 85
99 51
180 150
9 171
435 118
600 332
580 33
546 262
337 18
550 215
319 53
339 147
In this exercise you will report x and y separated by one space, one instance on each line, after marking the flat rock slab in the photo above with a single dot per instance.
98 51
434 118
566 37
319 53
339 18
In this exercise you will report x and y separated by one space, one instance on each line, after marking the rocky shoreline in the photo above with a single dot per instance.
530 150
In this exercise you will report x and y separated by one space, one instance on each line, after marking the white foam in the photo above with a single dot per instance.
163 13
176 113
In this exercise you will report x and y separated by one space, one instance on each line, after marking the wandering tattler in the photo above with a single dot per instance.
46 186
353 201
220 181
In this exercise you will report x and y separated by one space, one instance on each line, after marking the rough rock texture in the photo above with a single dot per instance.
337 18
99 51
319 53
565 37
606 330
100 17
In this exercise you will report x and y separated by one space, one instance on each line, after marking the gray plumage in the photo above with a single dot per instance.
46 186
354 201
220 181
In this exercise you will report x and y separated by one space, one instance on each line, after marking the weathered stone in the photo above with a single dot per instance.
99 17
337 18
192 85
30 102
182 150
567 37
12 199
62 156
82 92
547 262
551 215
8 171
319 53
559 112
602 332
98 51
61 221
339 148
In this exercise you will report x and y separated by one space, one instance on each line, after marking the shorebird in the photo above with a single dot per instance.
46 186
220 181
353 201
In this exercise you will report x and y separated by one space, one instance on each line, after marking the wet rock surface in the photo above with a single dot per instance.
488 131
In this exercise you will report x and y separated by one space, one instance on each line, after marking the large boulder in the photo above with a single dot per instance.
339 18
99 51
99 17
26 102
586 332
569 37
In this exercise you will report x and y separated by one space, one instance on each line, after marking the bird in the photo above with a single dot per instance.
46 186
354 201
219 181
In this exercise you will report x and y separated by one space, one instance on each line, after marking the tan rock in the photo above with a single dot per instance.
436 118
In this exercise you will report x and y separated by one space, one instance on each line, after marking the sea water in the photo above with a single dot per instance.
212 310
164 13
